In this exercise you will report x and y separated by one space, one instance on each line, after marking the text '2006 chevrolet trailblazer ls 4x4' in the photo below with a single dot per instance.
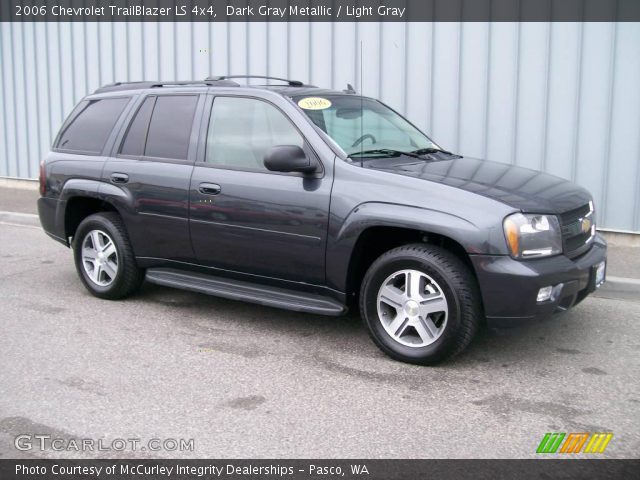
312 200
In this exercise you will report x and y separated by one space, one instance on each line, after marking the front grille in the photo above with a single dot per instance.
575 240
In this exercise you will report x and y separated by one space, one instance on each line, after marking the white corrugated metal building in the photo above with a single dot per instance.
560 97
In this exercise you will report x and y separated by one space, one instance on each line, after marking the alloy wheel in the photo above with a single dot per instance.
99 258
412 308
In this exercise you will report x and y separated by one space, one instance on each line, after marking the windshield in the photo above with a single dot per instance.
363 125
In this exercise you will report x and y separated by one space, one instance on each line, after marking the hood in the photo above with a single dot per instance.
522 188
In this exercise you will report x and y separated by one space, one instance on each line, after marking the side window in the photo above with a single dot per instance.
136 137
90 125
170 127
241 130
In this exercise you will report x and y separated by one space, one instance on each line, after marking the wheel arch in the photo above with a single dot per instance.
80 198
80 207
374 228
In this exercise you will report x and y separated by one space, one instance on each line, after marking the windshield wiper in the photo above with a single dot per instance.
396 153
384 151
426 151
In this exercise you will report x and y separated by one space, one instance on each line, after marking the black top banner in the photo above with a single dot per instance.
320 11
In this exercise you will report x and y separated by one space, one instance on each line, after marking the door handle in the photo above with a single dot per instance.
119 177
209 188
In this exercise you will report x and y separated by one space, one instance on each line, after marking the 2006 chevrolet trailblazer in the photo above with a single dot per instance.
312 200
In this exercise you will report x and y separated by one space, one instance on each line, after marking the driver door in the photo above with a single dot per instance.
244 218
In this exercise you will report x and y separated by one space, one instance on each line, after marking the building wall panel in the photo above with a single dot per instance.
561 97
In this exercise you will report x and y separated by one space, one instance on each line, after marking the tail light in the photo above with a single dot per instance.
42 179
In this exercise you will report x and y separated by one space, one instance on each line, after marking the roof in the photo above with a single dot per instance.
297 91
290 89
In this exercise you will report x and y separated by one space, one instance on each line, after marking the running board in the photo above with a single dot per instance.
246 291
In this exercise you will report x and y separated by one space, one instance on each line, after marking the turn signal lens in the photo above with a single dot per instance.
513 236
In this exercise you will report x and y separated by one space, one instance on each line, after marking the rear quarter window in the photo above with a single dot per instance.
89 125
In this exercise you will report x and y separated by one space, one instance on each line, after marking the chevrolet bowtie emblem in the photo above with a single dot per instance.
585 225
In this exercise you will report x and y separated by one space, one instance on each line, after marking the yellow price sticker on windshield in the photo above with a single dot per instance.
314 103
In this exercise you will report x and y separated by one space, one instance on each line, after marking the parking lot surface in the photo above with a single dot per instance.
248 381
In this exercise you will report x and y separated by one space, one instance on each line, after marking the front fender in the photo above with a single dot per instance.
473 238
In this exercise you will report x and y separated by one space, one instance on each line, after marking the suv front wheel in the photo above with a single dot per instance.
421 304
104 258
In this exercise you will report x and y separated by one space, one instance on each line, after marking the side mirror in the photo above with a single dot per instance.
288 158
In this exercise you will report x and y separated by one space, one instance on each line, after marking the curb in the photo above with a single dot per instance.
618 288
19 183
19 219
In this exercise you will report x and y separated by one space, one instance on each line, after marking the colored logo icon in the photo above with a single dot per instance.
574 443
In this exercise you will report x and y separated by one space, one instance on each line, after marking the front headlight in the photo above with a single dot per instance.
530 236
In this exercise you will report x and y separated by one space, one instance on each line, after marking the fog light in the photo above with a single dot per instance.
544 294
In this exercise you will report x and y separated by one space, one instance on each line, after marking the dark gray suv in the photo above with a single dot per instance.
312 200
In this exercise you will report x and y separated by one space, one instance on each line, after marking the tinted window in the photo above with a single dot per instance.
136 136
170 127
241 130
91 124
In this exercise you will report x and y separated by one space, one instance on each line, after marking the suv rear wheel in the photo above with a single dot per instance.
104 258
421 304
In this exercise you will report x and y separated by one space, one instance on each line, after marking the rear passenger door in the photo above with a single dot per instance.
149 172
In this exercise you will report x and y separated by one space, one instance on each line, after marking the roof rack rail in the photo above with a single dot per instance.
140 85
292 83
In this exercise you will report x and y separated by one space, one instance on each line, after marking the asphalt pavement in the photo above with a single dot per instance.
241 380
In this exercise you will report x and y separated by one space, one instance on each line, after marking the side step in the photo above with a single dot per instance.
246 291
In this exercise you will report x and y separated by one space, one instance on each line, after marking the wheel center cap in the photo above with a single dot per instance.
411 308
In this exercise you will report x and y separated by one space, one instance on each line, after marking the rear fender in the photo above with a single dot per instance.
85 188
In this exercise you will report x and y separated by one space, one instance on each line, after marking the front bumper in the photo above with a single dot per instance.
510 287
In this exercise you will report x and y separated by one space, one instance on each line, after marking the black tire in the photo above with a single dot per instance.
128 277
458 285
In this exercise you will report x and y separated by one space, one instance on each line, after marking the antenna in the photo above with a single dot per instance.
361 109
